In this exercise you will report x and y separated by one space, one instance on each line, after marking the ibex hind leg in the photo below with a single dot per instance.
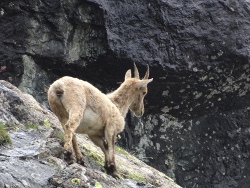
77 150
69 130
67 154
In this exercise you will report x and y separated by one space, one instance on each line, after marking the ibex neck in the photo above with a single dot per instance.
122 98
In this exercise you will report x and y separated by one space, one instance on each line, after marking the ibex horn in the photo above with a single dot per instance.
147 74
136 72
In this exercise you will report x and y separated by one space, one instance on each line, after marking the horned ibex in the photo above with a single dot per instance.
82 108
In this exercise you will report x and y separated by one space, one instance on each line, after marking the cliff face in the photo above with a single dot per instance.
195 128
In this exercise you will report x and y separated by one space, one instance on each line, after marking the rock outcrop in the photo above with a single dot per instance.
197 110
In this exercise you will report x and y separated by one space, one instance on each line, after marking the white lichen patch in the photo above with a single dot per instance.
165 109
197 95
158 146
220 53
214 92
2 12
167 124
165 93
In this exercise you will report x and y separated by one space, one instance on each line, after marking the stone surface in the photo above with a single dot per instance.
195 128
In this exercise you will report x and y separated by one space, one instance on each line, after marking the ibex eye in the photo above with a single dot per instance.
144 93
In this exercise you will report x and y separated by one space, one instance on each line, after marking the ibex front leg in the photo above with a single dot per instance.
109 143
109 159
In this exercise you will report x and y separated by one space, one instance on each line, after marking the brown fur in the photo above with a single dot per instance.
82 108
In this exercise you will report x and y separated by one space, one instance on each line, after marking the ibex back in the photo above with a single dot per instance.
82 108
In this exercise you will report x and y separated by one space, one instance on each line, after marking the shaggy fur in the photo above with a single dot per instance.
82 108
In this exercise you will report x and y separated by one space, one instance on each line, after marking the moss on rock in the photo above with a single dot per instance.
4 136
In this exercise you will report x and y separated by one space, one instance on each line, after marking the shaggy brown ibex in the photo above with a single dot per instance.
82 108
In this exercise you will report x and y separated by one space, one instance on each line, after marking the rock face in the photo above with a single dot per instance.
195 128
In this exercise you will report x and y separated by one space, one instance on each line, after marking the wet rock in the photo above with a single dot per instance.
24 173
133 184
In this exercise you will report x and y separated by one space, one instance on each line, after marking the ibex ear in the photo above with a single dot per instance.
143 83
128 74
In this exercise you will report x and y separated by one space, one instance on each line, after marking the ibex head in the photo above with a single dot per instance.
140 91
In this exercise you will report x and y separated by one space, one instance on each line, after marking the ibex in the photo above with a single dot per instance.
82 108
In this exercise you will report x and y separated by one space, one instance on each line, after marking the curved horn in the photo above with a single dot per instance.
136 73
147 74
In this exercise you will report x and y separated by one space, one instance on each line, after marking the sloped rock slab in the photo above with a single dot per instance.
88 178
25 144
19 164
17 108
15 172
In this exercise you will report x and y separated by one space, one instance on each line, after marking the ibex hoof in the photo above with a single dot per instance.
111 170
67 152
115 175
68 156
81 162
